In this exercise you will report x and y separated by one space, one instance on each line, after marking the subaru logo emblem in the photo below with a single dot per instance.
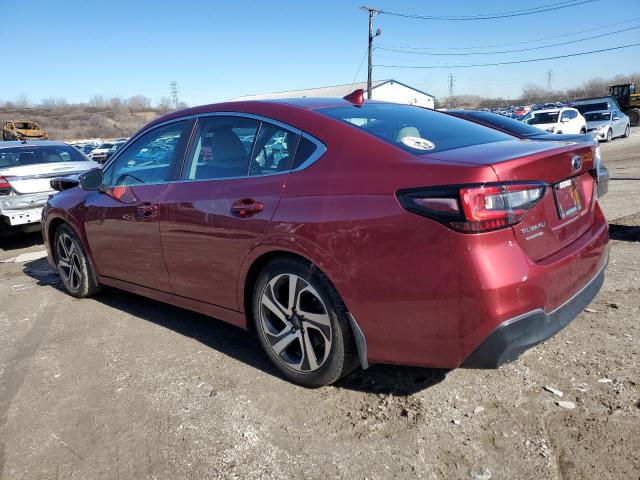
576 162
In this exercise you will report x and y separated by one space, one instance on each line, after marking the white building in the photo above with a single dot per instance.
386 90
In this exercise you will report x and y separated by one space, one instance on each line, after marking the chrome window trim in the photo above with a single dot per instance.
321 148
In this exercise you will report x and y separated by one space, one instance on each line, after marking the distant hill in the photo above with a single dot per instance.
68 122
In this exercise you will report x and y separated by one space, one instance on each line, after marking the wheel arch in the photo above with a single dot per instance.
53 224
256 262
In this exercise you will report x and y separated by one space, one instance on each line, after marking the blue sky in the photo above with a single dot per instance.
217 50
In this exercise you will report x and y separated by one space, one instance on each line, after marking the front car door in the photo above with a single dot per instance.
122 221
231 185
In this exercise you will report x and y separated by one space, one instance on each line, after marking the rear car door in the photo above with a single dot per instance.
618 126
231 185
122 221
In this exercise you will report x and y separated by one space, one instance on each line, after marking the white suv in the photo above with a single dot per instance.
557 120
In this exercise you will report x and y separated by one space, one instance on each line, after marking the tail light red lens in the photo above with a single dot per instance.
474 208
4 183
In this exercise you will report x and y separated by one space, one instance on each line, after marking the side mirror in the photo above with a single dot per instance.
615 119
564 120
91 180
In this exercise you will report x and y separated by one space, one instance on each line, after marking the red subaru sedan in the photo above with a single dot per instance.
342 232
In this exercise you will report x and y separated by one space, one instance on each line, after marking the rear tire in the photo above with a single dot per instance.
583 131
634 116
302 323
73 264
627 131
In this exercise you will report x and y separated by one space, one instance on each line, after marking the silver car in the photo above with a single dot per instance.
26 169
607 124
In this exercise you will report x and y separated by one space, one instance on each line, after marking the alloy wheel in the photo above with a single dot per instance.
68 254
295 322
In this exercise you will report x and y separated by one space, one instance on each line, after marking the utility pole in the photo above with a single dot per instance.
452 80
372 13
174 94
549 75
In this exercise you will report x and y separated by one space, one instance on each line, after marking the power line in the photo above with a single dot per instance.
410 47
507 51
512 62
359 68
491 16
522 42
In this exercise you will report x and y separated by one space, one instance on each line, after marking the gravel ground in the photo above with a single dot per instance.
124 387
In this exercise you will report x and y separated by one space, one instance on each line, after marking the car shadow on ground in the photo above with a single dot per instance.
626 233
18 241
237 343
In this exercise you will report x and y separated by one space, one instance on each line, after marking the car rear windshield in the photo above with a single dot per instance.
415 129
546 117
591 107
597 116
31 155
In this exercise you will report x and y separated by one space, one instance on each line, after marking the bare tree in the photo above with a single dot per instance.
98 101
165 104
139 102
22 101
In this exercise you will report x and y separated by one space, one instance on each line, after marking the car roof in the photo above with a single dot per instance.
306 103
31 143
548 110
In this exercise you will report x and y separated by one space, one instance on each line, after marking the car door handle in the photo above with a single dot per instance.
246 207
147 209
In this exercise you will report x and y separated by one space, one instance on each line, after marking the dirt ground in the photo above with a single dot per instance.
124 387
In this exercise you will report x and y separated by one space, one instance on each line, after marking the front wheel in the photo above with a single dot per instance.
302 324
72 263
627 132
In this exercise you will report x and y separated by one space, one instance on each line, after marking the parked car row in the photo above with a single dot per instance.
600 117
99 151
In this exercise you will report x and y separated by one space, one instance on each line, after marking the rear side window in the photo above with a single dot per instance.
414 129
221 148
274 150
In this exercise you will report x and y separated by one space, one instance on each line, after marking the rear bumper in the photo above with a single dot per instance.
518 334
23 209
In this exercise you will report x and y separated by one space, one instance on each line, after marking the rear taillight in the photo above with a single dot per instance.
474 208
4 184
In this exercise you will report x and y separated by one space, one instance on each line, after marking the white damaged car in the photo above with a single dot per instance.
26 170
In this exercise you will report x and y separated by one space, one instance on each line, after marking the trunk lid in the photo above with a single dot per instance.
566 210
36 178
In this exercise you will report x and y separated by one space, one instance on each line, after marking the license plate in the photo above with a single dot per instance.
568 199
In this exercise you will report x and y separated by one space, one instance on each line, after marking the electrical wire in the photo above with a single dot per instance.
491 16
409 47
507 51
511 62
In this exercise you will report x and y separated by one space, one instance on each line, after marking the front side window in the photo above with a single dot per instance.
151 158
414 129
